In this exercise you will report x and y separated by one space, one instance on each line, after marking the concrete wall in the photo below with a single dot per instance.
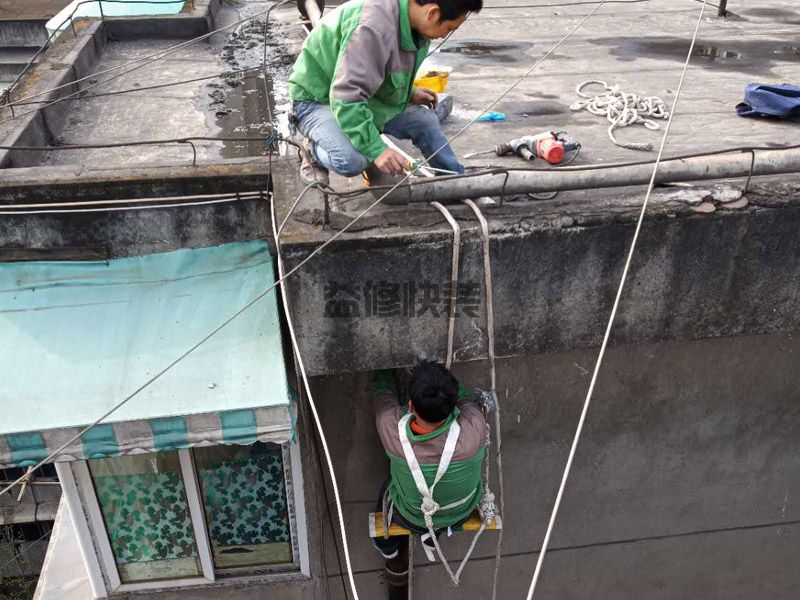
685 485
693 277
102 235
22 33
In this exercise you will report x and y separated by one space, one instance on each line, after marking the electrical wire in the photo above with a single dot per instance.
145 88
132 201
607 335
151 58
52 455
51 211
58 30
311 403
24 550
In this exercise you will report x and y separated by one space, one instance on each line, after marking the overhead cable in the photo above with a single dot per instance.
607 335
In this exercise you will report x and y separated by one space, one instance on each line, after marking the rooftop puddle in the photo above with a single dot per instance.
783 16
488 52
240 103
744 56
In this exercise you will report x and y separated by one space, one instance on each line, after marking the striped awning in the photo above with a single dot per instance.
78 337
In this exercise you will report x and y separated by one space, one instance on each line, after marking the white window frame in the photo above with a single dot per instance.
91 530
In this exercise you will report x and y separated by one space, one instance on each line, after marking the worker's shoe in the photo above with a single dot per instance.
444 106
310 170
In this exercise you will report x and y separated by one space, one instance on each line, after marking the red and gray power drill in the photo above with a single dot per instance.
551 146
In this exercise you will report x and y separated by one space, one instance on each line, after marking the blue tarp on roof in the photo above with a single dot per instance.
78 337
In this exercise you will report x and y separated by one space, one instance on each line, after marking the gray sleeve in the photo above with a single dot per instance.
387 414
362 65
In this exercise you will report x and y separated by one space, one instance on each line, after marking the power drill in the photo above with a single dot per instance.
551 146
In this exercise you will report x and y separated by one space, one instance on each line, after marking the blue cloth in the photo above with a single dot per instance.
332 149
782 101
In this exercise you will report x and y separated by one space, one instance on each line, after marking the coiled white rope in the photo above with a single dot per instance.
622 109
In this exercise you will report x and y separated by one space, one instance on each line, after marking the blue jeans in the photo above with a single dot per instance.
333 150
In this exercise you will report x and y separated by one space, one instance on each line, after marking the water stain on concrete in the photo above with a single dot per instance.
734 55
536 109
790 17
487 51
241 103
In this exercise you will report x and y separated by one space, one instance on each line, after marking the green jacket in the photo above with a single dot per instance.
362 60
463 476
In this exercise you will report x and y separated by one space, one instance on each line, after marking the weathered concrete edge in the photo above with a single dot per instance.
692 278
74 59
76 183
71 61
197 22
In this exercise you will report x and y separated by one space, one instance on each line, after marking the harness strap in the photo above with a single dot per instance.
429 505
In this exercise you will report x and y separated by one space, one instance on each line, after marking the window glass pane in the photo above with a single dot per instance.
144 507
244 494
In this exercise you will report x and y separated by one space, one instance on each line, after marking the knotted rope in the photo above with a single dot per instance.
622 109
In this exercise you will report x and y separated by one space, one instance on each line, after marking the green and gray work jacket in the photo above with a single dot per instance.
463 476
361 59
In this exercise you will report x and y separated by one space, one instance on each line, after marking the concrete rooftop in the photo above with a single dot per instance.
639 46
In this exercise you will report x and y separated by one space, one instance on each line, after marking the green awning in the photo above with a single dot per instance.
77 337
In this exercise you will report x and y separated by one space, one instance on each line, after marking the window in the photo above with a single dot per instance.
146 515
188 517
244 495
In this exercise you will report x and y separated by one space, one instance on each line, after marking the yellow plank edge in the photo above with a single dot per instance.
472 524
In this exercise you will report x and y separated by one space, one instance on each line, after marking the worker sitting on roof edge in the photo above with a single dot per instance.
354 79
440 412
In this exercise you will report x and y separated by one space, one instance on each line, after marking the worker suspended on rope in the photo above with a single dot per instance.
436 443
354 80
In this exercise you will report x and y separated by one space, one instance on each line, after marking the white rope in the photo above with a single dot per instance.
50 457
487 273
611 318
622 109
311 403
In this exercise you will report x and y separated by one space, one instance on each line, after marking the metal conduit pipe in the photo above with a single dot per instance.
513 183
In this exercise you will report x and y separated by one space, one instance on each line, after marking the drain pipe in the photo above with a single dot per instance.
514 183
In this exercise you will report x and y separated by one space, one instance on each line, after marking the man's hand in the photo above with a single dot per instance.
391 163
424 97
485 400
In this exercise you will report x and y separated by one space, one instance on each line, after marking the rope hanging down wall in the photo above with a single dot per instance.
607 335
50 457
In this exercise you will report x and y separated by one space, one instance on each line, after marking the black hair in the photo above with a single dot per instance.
433 391
453 9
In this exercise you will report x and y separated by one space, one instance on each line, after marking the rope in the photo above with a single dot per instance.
145 88
611 318
487 273
451 327
145 60
622 109
50 457
311 403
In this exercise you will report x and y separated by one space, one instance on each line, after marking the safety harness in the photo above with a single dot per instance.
430 507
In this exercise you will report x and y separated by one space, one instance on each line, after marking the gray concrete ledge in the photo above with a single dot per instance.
554 278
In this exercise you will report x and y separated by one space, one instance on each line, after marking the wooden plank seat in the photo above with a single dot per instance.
472 524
